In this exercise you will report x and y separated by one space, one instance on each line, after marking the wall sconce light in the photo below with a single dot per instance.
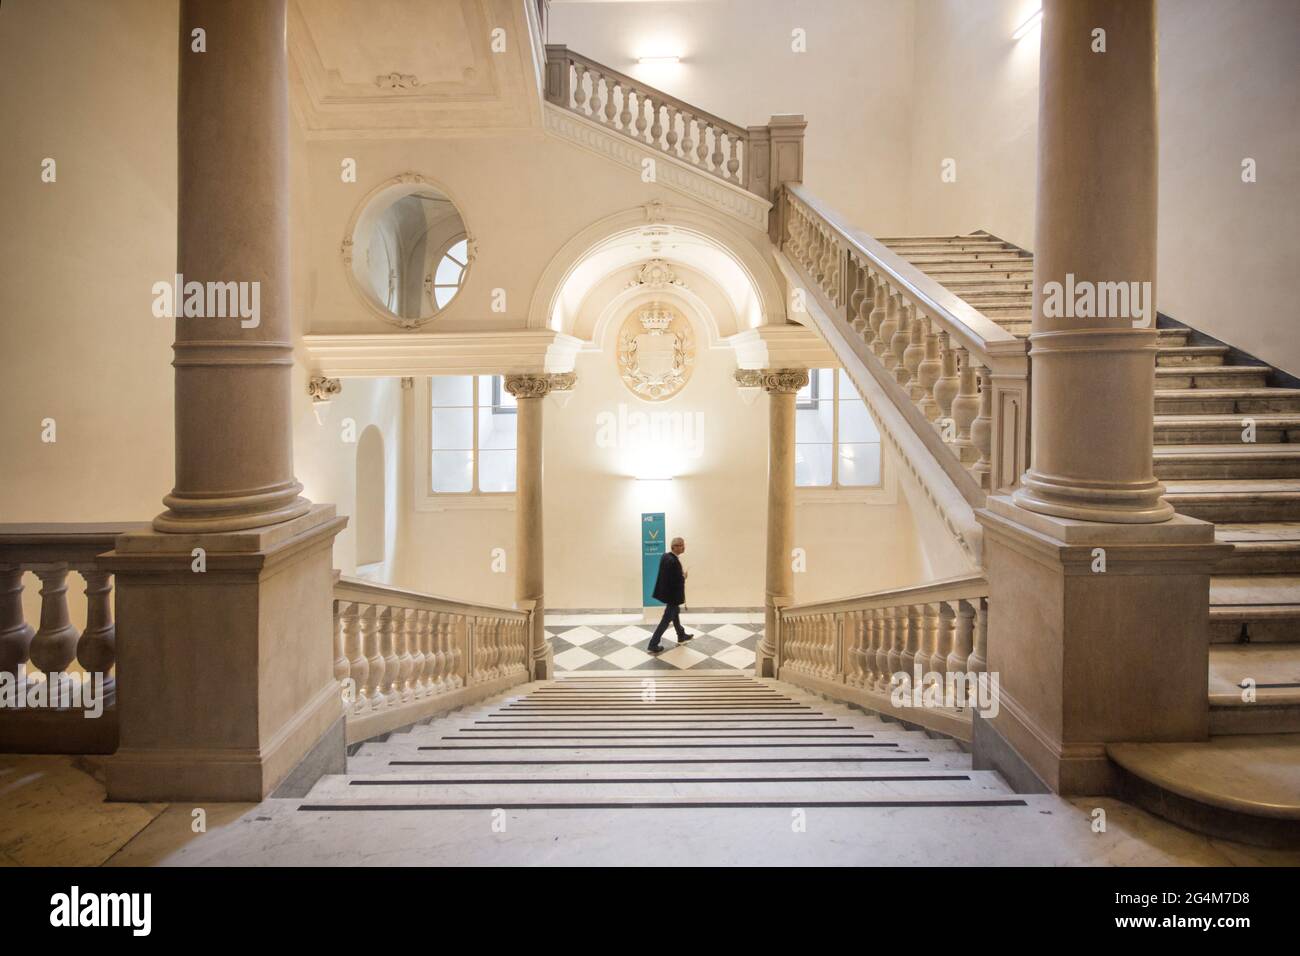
1034 20
658 60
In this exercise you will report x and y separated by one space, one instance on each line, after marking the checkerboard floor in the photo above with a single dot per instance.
617 642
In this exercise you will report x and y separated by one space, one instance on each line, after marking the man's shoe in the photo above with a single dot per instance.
654 650
685 637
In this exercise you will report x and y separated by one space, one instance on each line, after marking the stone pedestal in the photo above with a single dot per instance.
1098 633
226 675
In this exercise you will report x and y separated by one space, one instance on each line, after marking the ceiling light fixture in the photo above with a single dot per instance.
657 60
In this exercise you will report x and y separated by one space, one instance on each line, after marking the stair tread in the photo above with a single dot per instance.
1252 774
1229 418
1239 449
1267 664
1259 532
1245 590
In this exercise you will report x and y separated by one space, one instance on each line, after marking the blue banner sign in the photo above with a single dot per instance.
653 547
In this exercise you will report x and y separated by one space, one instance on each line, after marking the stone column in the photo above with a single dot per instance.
1098 593
225 660
530 393
781 386
1093 379
234 445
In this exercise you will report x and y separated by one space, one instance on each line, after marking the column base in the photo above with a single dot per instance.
225 674
1098 633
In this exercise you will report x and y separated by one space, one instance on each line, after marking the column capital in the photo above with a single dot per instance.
322 389
539 385
783 379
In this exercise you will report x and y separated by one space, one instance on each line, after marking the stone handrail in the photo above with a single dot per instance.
401 656
737 155
961 380
855 649
52 653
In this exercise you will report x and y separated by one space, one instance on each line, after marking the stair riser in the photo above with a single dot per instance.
1226 629
1213 469
1259 562
1258 719
1210 378
1166 359
1225 406
1237 511
1222 435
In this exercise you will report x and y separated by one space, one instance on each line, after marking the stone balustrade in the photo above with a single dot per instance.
859 649
662 122
401 656
960 380
57 682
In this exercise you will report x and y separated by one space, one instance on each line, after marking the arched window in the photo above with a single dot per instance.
449 273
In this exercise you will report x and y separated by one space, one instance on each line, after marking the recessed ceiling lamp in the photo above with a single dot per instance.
1034 20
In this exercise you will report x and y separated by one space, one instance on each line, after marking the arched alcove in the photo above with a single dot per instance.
371 500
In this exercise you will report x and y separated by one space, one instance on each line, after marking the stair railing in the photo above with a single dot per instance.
960 379
755 158
401 656
915 653
58 689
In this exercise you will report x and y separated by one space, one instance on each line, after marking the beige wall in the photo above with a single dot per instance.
852 84
92 86
1228 90
717 501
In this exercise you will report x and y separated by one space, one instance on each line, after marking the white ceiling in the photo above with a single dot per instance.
380 68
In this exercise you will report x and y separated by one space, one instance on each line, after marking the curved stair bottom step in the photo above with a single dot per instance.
1244 788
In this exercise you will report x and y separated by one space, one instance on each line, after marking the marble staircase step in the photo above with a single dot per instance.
1226 401
1255 688
1010 269
1269 547
993 258
1236 500
1210 376
1236 787
1227 461
1199 356
1210 429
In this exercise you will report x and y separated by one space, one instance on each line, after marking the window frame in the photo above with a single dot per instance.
883 491
432 285
425 498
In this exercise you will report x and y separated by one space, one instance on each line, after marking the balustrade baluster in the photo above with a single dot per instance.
625 116
962 643
911 639
702 150
978 661
670 136
879 311
656 127
342 666
928 644
597 107
392 689
442 661
888 327
717 156
914 354
928 372
898 341
858 278
354 650
688 144
965 407
97 648
414 687
456 637
733 164
611 88
579 88
375 657
981 429
948 384
54 646
897 631
944 643
15 633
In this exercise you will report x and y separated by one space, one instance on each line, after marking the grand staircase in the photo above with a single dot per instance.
1205 398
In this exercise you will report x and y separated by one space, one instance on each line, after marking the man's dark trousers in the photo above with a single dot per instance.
670 617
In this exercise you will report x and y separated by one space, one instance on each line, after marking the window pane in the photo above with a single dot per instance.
452 428
856 424
846 386
451 390
814 424
812 465
458 250
443 294
496 429
496 470
492 388
448 272
859 464
452 471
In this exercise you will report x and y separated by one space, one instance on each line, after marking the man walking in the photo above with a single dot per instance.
670 587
